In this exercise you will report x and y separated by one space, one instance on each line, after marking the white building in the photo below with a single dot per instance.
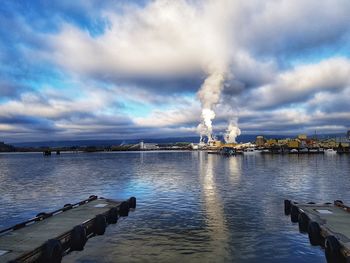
150 146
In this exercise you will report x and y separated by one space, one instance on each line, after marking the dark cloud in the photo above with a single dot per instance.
23 120
11 89
160 85
286 29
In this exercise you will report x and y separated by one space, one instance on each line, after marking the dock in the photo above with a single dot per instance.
327 225
49 236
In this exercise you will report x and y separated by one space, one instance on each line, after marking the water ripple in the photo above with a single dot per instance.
192 207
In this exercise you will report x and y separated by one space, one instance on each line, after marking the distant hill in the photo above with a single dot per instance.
81 143
6 148
193 139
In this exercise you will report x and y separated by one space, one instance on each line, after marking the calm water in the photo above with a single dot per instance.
192 207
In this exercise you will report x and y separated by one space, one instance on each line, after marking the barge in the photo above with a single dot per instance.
49 236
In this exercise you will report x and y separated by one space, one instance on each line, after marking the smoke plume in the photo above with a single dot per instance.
232 131
209 96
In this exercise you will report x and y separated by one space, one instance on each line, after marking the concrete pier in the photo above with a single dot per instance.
327 226
49 236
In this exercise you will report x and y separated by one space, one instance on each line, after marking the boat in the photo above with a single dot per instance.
330 151
228 151
316 150
250 151
313 150
265 151
304 150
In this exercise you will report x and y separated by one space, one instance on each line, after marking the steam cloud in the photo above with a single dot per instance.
232 131
209 96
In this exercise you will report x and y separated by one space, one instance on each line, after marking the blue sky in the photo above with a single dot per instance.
133 69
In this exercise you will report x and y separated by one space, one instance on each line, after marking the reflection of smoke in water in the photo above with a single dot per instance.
213 208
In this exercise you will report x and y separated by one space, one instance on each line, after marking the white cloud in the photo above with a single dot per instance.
164 38
298 84
41 105
182 116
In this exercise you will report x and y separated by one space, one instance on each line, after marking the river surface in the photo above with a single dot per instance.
191 206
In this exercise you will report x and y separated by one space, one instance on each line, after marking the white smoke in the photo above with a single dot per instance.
209 96
232 131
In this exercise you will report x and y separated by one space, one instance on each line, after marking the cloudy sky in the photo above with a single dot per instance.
132 69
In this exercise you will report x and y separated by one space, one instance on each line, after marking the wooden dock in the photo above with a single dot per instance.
49 236
327 225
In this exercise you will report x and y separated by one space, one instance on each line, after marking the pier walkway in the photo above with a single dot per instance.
49 236
327 226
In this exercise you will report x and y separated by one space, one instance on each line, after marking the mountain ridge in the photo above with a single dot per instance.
189 139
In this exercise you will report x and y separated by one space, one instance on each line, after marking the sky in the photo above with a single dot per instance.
135 69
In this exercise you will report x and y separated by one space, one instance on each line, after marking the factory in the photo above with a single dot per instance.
301 143
148 146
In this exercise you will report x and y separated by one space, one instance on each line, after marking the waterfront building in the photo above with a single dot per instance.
343 141
150 146
329 143
194 146
312 143
303 144
271 142
230 145
294 144
260 141
283 142
302 136
215 143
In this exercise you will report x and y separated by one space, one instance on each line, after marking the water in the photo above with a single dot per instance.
192 207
